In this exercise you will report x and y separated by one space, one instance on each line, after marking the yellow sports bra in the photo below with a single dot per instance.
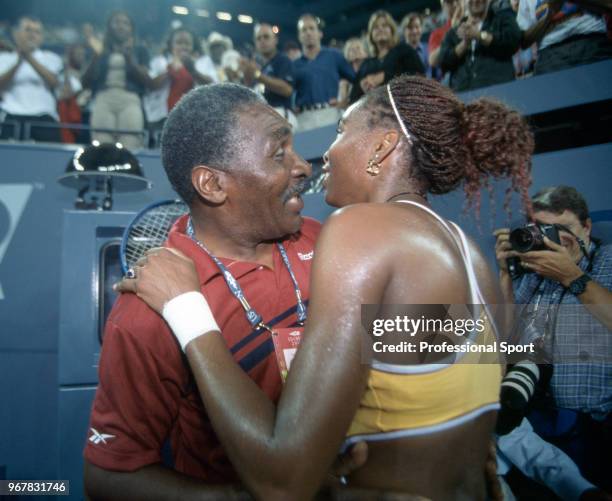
408 400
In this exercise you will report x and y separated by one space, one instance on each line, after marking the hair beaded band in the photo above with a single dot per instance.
397 115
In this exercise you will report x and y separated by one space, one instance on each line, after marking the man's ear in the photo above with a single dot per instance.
386 144
209 184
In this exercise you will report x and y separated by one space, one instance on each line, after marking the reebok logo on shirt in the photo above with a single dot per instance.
98 437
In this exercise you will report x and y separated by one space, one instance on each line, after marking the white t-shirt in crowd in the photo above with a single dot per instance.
582 24
28 94
155 102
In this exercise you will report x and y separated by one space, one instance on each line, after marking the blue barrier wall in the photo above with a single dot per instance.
31 208
568 88
35 443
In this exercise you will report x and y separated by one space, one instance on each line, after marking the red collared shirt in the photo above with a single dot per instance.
146 392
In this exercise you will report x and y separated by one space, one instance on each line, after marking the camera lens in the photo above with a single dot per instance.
522 239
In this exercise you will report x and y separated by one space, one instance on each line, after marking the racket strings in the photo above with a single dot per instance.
151 230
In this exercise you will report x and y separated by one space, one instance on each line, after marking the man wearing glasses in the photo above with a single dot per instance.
567 287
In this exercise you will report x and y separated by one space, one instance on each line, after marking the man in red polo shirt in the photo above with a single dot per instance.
231 158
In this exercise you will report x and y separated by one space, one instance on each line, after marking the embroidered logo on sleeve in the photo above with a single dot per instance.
97 437
306 257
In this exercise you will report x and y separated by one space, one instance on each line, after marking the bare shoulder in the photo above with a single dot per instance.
406 241
486 277
375 219
357 237
383 237
352 233
387 228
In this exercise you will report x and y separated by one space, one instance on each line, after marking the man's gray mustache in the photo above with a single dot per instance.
296 189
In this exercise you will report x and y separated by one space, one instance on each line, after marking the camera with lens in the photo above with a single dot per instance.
530 238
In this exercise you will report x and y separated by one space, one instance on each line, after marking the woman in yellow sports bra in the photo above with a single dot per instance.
428 426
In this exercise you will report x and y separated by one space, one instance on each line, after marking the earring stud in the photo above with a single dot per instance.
373 167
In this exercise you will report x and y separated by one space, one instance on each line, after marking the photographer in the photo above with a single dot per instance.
553 281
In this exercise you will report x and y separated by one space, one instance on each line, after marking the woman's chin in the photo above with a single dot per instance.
329 200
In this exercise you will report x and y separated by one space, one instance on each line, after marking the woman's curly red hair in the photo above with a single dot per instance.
455 143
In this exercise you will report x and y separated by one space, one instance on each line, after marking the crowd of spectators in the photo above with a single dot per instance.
121 88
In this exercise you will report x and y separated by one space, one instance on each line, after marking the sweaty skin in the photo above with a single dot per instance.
369 253
419 264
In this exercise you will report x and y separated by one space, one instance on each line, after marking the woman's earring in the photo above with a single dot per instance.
373 167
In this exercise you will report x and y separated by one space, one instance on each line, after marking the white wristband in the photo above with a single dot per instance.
189 317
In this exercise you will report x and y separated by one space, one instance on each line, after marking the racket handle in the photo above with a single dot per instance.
189 317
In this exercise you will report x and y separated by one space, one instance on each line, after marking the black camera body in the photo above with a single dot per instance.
530 238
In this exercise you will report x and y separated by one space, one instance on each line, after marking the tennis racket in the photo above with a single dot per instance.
149 229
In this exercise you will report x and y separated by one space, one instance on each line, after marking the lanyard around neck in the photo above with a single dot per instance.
254 318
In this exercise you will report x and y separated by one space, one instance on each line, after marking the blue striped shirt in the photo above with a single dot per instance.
581 345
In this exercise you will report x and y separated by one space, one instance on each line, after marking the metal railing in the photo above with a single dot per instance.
29 125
